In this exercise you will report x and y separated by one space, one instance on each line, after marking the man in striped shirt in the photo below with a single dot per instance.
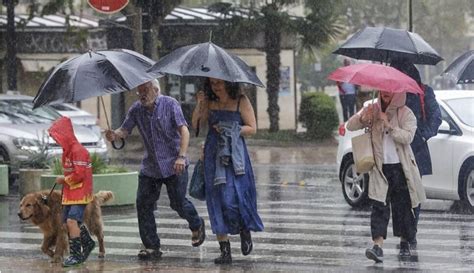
165 135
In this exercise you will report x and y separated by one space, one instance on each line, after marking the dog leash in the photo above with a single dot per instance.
45 197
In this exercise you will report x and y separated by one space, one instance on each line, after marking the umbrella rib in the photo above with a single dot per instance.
73 91
118 71
464 66
412 42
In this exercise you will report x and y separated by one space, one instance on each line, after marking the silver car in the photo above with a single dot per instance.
78 116
24 130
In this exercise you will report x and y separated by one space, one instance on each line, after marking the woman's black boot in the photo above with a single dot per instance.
225 257
246 244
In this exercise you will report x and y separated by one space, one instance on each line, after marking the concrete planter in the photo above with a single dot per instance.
29 180
123 185
3 179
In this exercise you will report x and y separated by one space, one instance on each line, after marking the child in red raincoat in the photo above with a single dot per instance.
77 189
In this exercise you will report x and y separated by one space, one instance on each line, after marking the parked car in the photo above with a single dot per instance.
23 130
77 116
452 154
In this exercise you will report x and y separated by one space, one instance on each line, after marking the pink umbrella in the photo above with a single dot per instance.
377 76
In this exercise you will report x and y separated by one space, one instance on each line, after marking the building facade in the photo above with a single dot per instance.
43 42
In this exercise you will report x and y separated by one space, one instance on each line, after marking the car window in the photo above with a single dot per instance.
463 109
21 111
10 118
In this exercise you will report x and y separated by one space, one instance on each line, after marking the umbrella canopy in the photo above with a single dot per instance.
385 44
376 76
206 60
462 68
95 73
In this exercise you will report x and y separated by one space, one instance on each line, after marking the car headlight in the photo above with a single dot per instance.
27 144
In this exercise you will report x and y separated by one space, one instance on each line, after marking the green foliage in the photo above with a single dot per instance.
99 166
56 166
322 25
318 114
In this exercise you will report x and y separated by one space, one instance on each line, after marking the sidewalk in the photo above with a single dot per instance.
261 152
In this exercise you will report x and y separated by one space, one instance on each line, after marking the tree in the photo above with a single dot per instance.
318 27
307 73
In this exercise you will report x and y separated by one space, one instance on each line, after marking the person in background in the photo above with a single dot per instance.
361 97
428 119
77 190
347 96
165 135
395 182
231 195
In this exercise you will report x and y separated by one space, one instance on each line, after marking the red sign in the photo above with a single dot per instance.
108 6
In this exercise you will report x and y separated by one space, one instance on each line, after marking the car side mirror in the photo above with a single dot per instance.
445 128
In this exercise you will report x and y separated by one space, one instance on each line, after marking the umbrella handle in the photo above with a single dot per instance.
120 147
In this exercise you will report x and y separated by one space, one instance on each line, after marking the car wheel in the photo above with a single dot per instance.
466 183
354 185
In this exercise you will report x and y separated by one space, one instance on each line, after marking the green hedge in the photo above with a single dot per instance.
319 115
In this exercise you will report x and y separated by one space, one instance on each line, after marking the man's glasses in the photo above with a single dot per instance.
140 95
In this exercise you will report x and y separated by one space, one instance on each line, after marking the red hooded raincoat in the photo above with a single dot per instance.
77 188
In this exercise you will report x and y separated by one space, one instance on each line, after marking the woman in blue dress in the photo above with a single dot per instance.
231 195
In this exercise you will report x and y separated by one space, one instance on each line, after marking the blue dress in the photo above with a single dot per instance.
232 206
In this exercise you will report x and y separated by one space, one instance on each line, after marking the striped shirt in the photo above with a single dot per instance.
159 130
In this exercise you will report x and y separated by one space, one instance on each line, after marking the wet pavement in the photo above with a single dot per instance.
308 227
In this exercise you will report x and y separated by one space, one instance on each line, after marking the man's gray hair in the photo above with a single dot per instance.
155 83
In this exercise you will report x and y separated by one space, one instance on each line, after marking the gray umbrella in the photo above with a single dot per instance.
206 60
385 44
462 68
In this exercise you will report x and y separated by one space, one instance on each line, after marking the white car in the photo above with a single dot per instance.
452 154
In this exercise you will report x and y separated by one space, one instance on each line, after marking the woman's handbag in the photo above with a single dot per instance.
196 187
363 152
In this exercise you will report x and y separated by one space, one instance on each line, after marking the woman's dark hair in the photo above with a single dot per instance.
232 88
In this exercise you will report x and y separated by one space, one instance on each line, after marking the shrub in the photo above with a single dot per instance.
318 114
99 166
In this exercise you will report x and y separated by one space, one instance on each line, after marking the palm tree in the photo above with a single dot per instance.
317 28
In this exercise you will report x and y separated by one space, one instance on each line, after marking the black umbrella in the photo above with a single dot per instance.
385 44
462 68
206 60
95 73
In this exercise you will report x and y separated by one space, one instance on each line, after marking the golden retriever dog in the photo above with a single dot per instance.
45 211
